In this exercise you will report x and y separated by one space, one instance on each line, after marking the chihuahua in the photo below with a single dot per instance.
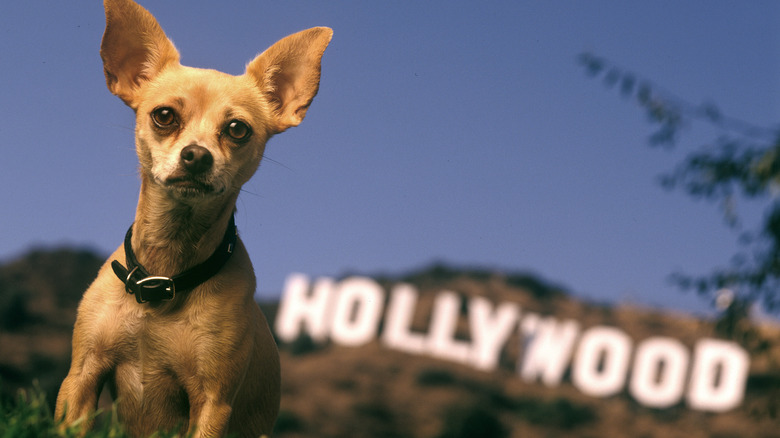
170 325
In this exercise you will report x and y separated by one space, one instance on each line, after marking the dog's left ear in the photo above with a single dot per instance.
288 73
134 48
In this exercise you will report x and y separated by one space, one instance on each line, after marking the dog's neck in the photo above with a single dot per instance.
170 236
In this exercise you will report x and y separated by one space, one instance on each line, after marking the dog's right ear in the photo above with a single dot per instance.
288 73
134 48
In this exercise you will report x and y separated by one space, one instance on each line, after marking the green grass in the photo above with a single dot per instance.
29 416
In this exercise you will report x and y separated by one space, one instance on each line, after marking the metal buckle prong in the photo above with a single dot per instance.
127 280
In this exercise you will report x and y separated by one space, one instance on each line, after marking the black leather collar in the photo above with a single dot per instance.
150 288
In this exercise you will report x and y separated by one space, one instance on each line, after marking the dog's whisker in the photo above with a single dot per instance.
278 163
243 190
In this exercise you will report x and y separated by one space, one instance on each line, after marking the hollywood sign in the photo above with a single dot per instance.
658 372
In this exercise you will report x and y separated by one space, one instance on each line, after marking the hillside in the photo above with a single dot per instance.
372 390
39 293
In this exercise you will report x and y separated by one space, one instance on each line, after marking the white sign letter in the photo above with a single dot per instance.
444 323
658 376
397 331
298 308
489 330
600 365
358 308
718 377
548 348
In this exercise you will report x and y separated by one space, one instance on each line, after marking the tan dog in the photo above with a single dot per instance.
170 323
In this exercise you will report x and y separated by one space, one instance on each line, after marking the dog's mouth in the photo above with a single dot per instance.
189 186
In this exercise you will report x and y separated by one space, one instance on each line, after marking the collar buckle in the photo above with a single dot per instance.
155 289
152 288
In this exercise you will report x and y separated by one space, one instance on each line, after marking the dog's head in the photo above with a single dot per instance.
202 133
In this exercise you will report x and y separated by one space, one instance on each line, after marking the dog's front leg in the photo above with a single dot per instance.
213 383
210 418
77 399
96 349
78 396
210 410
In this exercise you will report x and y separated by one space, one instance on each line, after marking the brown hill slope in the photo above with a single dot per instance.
331 390
39 293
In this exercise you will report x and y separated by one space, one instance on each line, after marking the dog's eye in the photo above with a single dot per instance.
164 117
238 130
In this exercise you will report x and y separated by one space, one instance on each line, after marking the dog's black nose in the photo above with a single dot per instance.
196 159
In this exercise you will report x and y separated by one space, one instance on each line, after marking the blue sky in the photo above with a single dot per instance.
455 131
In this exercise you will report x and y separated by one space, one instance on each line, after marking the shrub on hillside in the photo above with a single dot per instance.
472 420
